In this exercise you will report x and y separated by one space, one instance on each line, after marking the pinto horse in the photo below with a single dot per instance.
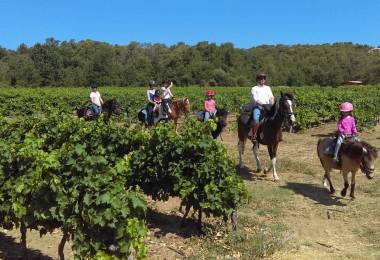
354 156
178 107
269 132
109 107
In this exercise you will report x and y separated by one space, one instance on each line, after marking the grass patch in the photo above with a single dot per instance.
370 234
286 164
253 240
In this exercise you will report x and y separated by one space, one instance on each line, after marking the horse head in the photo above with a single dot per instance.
287 107
185 105
112 106
367 164
221 123
221 115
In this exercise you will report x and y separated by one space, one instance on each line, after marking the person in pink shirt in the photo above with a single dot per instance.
209 105
346 126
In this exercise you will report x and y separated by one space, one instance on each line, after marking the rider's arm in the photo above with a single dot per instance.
271 97
148 98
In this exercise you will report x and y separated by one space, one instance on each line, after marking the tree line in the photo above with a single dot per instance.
87 62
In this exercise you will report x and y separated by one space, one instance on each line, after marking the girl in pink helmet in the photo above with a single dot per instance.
209 105
346 126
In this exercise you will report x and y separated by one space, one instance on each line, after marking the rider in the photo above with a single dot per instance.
96 100
346 126
150 98
167 96
261 95
209 105
157 100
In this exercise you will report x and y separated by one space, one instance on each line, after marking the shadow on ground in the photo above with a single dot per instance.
319 194
252 175
163 224
11 250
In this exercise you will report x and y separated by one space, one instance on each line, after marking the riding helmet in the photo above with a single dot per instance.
346 107
210 92
261 76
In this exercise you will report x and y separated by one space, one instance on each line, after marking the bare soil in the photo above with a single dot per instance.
319 225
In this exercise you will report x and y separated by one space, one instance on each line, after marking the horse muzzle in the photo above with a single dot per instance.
369 172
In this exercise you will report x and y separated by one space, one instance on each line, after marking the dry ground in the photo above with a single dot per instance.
311 223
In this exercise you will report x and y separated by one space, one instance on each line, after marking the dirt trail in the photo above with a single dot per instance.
319 226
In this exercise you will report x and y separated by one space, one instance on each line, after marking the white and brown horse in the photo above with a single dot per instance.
269 132
353 156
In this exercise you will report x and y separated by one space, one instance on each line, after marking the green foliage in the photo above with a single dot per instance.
58 171
84 63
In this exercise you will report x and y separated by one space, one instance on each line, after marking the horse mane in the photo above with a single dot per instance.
355 149
372 151
221 112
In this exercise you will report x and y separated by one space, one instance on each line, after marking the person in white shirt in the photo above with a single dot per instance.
261 95
96 101
167 96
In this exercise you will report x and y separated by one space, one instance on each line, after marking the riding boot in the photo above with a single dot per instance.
255 127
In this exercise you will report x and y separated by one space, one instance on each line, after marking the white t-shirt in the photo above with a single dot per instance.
150 94
263 94
166 93
95 98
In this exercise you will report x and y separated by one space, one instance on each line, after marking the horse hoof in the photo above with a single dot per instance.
265 171
259 170
352 197
276 179
241 165
332 191
343 193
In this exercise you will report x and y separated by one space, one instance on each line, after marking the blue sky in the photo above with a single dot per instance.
244 23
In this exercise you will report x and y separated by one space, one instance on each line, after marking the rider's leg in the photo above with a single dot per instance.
339 142
149 110
96 109
256 117
207 116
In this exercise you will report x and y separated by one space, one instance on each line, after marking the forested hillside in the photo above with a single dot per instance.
71 63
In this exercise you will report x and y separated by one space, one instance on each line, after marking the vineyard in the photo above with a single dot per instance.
314 105
90 179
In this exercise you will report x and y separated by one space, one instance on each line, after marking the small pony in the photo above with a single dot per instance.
109 107
354 156
220 119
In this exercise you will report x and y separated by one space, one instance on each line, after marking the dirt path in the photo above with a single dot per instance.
318 226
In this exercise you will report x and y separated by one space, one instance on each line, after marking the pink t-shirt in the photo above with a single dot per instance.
210 105
347 126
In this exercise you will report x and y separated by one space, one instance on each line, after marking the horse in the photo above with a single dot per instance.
269 132
109 107
220 118
178 107
353 156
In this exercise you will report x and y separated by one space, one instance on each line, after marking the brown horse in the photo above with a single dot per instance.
178 107
269 132
354 156
109 107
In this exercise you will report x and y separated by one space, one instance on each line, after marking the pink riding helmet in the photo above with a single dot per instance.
346 107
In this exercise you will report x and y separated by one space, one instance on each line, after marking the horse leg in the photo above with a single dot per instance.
272 149
352 191
241 151
258 164
344 191
328 178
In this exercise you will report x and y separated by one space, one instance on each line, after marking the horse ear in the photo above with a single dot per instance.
365 151
282 94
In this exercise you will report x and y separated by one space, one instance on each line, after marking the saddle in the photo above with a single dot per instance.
329 151
246 113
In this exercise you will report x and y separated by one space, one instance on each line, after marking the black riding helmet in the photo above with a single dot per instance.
261 76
